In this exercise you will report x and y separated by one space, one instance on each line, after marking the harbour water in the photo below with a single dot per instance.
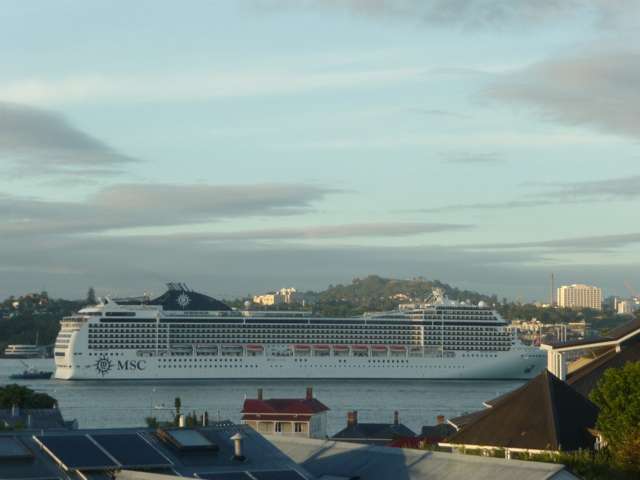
127 403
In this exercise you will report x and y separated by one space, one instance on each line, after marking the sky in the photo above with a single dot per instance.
243 146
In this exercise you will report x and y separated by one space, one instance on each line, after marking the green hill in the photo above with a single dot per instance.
375 293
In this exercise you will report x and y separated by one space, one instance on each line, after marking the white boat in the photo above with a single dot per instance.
24 351
187 335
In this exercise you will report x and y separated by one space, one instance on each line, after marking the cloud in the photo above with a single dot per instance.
35 142
193 86
612 189
129 206
597 89
66 266
473 14
593 244
355 230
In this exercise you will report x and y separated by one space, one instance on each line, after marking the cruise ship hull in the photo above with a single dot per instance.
514 364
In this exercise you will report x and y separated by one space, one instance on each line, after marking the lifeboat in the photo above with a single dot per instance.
302 347
341 348
255 348
398 348
360 348
379 348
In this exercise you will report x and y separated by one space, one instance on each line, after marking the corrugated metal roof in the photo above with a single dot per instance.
327 459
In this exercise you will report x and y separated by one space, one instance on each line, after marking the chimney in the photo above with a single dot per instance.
440 419
259 394
396 418
352 418
309 393
237 447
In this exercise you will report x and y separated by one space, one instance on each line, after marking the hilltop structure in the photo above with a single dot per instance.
282 296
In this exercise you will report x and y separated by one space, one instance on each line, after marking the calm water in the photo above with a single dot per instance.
124 404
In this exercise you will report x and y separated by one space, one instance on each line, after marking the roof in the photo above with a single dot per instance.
373 432
585 378
614 335
41 418
441 431
543 414
327 458
260 455
300 406
466 419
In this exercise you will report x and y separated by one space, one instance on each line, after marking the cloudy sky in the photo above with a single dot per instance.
247 145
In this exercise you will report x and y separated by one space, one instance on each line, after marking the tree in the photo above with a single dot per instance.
24 397
618 396
91 296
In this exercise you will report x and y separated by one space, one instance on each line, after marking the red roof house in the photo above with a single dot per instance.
302 417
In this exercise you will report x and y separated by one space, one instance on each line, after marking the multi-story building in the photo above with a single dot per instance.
284 295
580 296
626 307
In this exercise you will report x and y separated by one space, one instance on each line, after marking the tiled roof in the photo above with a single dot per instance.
284 405
544 414
41 418
364 432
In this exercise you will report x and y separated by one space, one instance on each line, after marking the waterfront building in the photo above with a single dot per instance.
582 363
187 335
297 417
580 296
329 459
282 296
544 415
372 433
220 450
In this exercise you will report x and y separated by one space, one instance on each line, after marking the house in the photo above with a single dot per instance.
328 459
220 450
432 434
544 415
593 356
299 417
35 419
372 433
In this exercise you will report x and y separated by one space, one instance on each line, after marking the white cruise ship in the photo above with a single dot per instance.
187 335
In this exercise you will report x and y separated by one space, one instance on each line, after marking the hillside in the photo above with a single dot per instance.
375 293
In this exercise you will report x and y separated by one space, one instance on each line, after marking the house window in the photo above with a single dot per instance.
278 427
299 427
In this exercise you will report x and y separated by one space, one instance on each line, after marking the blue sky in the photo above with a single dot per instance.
247 145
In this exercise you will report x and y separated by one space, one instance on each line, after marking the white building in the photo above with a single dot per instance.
284 295
580 296
626 307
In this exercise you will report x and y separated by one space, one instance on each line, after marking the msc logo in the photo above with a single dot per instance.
132 364
103 365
